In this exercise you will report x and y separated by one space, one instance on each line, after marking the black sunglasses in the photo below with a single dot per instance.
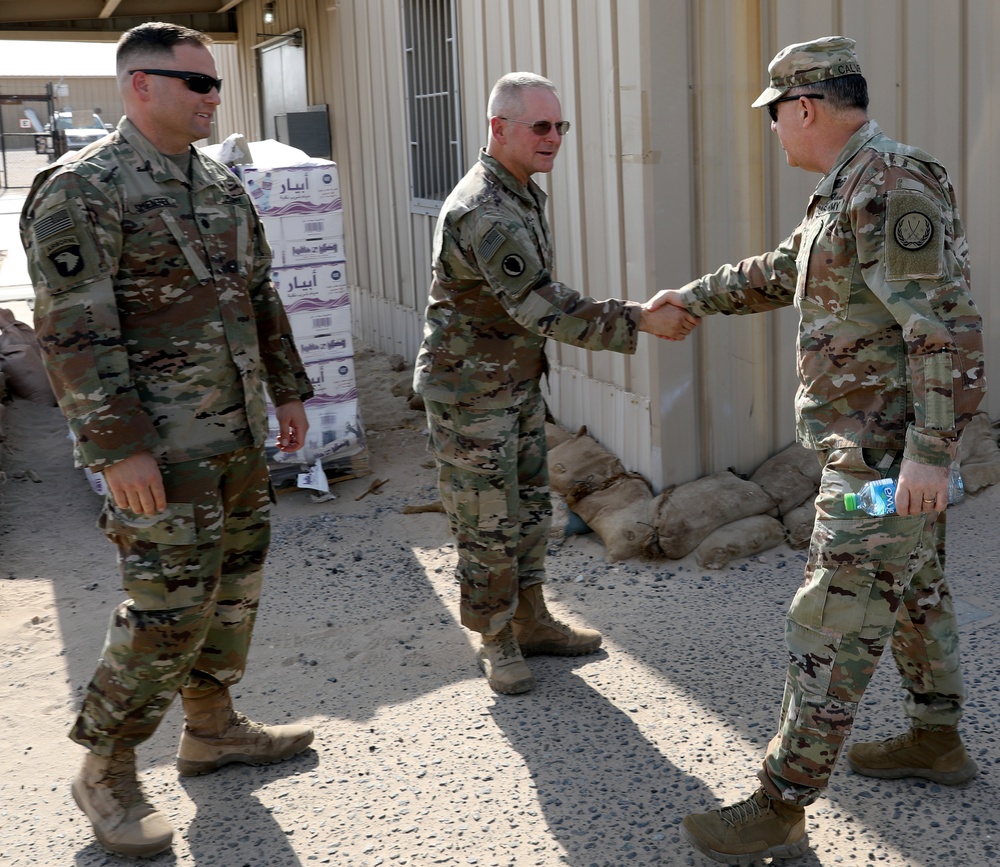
542 127
196 81
772 107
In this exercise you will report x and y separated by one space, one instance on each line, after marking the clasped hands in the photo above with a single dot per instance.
666 317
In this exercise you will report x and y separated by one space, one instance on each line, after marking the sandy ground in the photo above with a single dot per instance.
416 761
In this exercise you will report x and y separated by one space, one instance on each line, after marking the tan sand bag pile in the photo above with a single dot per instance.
620 515
741 538
791 477
580 466
684 515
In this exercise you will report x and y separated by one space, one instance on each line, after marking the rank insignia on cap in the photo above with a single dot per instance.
913 230
513 265
67 259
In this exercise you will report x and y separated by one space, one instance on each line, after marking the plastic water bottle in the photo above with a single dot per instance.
879 497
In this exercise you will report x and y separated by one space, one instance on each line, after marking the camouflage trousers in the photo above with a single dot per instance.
493 477
193 576
868 581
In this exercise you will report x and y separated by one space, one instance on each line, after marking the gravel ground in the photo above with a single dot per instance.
416 761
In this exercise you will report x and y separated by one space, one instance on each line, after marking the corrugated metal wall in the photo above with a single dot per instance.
666 174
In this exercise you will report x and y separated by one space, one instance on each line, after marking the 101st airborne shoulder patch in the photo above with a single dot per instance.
65 251
914 236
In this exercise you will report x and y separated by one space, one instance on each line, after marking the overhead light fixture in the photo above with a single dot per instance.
269 13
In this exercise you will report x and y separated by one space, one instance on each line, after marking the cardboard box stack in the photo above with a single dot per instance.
303 216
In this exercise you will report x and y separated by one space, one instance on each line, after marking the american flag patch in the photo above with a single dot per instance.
490 244
53 224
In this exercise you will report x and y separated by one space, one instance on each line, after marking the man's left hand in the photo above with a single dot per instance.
921 488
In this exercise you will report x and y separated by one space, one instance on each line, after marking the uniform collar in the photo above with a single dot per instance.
861 137
161 168
532 194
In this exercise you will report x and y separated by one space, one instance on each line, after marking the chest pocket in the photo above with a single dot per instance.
827 264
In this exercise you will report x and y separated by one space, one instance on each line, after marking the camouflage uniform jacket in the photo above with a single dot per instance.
890 347
493 301
155 308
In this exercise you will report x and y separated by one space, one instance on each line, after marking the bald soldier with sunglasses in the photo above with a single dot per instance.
493 303
160 326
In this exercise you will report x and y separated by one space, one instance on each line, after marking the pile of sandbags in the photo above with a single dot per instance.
720 517
21 361
595 485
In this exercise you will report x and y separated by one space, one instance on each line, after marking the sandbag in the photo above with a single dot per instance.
799 524
556 436
684 515
620 515
580 466
791 476
978 454
21 361
739 539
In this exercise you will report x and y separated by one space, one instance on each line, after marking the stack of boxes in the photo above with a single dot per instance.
303 216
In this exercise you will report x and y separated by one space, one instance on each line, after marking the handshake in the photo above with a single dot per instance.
665 316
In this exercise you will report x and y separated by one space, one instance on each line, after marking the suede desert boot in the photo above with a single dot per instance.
756 828
107 790
215 735
537 631
501 661
939 756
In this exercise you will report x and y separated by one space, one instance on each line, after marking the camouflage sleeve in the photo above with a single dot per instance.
72 238
286 375
510 263
754 285
914 256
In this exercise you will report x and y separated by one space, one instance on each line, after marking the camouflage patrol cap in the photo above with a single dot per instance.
808 62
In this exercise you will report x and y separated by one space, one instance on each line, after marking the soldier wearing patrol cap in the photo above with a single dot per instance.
160 325
890 362
493 302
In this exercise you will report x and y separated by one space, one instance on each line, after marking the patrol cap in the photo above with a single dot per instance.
808 62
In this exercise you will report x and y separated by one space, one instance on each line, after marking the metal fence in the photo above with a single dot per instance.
19 160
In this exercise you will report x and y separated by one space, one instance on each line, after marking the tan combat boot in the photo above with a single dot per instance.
501 660
756 828
215 735
934 755
537 631
107 790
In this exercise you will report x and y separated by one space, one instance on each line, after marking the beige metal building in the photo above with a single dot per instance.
666 174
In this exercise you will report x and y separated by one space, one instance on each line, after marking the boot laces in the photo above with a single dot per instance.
901 741
245 724
124 783
509 648
742 813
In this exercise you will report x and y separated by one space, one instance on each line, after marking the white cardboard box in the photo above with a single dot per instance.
295 189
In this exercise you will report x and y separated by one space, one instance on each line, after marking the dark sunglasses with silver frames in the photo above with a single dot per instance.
542 127
772 106
196 81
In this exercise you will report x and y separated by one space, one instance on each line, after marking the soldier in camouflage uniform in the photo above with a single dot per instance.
493 303
159 325
890 359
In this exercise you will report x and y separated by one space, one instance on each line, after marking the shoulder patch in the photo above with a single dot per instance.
66 256
513 265
490 244
914 236
53 224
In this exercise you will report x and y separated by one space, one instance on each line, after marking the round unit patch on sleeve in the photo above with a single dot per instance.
914 236
913 230
513 265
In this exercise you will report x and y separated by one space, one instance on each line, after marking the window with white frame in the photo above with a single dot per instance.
431 65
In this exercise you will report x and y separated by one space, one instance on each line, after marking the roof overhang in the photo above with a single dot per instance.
106 20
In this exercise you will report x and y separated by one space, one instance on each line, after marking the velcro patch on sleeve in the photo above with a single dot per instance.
490 244
914 236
